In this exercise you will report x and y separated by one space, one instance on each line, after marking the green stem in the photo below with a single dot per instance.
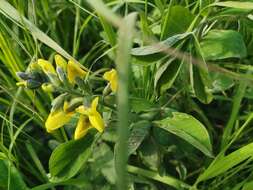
173 182
126 31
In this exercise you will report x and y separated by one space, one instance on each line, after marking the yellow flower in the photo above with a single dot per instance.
60 62
82 127
73 71
57 119
46 66
92 118
112 77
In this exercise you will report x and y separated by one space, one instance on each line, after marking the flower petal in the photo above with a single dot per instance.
82 110
94 104
73 71
97 121
112 77
57 119
82 128
60 62
46 66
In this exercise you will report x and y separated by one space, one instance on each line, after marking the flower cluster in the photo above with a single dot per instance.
65 79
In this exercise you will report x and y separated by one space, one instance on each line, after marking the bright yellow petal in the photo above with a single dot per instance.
57 119
97 121
73 71
82 127
112 77
60 62
46 66
82 110
94 104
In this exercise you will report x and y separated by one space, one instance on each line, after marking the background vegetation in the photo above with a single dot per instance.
186 117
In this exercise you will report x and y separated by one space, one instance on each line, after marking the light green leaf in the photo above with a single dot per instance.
223 164
68 158
222 44
248 186
188 128
235 4
159 47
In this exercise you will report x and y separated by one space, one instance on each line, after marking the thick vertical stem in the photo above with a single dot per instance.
126 32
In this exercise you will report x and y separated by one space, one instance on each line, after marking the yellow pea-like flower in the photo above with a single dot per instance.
112 77
82 127
94 117
73 71
46 66
57 119
60 62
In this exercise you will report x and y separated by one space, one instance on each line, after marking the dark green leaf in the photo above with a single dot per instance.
9 172
166 75
138 133
200 89
177 21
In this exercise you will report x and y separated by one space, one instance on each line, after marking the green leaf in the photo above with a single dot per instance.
221 82
248 186
167 74
171 181
104 162
177 21
222 164
235 4
9 172
157 48
138 133
200 89
222 44
188 128
68 158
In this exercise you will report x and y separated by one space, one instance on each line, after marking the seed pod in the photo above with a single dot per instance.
33 84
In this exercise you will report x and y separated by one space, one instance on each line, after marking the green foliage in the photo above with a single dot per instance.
68 158
189 129
173 85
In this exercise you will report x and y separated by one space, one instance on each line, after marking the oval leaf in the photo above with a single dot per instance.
68 158
188 128
222 44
